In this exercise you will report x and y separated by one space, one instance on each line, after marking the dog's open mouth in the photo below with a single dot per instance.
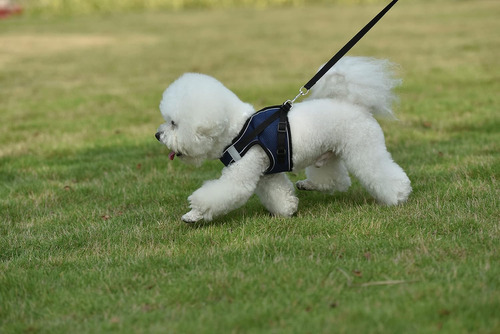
173 154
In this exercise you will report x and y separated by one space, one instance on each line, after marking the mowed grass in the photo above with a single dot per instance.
90 235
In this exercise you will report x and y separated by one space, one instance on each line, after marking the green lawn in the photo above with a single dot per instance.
90 234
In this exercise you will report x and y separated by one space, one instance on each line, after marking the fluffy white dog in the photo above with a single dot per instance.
333 133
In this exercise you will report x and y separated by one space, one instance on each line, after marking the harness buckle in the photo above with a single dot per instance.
282 127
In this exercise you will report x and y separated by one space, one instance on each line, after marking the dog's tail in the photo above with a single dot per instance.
364 81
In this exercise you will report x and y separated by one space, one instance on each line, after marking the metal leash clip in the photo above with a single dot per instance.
302 92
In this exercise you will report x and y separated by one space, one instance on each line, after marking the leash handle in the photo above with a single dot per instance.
305 89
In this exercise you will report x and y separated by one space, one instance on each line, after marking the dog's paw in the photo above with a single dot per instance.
290 207
305 185
192 217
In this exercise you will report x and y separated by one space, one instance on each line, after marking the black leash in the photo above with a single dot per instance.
305 89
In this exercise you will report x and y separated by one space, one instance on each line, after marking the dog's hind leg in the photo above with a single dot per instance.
327 175
277 194
369 160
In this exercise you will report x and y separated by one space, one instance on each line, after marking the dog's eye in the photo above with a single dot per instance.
173 124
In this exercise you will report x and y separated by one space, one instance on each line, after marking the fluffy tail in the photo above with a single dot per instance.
364 81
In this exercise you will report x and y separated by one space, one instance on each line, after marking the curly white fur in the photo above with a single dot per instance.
333 133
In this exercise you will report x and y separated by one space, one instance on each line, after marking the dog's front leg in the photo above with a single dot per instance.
277 194
231 190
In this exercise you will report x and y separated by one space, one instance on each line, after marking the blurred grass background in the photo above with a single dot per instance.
78 7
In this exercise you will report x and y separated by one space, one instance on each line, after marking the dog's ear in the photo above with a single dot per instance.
212 130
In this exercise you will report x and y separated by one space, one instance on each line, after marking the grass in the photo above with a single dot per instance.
90 233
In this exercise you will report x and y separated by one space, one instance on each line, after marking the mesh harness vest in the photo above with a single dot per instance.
269 129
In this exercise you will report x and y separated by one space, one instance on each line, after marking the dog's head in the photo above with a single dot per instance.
200 116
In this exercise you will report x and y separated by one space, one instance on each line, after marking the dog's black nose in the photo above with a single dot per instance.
157 135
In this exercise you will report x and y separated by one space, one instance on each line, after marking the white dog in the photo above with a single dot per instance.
333 133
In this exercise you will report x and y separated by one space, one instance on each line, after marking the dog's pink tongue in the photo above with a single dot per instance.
171 155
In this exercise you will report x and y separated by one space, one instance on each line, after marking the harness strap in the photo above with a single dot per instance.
282 127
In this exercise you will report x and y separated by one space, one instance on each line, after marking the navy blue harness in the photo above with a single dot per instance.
269 129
